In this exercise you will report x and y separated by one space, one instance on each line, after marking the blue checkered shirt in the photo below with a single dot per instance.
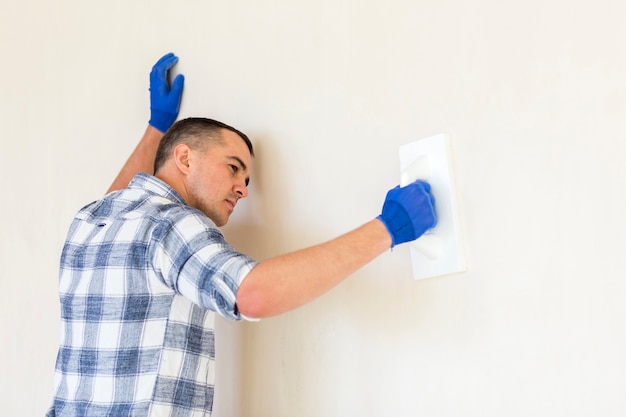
142 275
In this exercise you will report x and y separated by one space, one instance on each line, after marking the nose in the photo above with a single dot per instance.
241 190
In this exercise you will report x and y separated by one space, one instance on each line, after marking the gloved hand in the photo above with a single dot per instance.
408 212
164 102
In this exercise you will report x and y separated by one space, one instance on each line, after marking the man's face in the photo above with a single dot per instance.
219 177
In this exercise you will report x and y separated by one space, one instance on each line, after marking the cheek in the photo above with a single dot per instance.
219 182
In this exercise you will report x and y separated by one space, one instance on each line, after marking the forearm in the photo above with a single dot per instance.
141 160
286 282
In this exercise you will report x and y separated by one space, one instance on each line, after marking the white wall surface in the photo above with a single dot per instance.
533 95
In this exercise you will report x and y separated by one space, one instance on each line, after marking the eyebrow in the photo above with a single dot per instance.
242 164
236 158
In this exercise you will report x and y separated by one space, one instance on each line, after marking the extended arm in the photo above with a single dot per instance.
286 282
164 107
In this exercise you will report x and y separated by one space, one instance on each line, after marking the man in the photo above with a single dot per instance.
145 268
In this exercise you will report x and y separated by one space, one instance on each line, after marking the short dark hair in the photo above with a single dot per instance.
198 133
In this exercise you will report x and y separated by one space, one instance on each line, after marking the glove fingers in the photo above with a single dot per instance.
177 85
424 184
168 63
159 70
164 61
431 209
433 215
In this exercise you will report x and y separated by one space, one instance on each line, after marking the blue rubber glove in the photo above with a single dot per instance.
408 212
164 102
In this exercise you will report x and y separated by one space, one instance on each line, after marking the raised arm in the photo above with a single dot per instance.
164 107
140 160
283 283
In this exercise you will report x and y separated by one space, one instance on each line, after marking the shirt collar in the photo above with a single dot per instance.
154 185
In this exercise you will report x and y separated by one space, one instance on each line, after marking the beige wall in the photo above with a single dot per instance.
533 96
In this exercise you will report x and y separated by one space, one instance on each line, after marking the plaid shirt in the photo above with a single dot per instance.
141 276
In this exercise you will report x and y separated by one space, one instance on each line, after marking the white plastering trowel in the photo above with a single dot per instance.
439 251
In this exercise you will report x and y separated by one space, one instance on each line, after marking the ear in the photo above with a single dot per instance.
181 157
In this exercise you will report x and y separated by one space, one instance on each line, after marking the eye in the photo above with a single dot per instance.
235 168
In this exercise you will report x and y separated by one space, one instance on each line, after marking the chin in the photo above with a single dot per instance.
220 222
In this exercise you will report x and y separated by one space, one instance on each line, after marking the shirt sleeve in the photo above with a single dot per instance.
191 256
